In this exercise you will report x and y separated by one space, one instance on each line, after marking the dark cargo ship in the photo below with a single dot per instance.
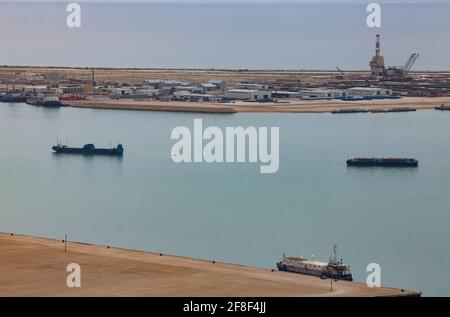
443 107
13 97
334 269
383 162
88 149
47 101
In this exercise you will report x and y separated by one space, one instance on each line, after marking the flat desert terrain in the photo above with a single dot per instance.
31 266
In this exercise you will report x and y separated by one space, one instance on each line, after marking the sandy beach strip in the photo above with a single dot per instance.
32 266
299 106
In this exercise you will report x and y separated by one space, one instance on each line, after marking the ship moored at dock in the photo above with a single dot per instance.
383 162
45 101
88 149
443 107
334 269
13 97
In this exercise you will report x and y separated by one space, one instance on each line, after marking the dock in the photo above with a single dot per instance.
32 266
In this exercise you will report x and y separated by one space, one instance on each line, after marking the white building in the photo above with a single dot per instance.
286 94
121 92
252 86
191 89
318 94
155 83
158 83
35 89
147 92
220 84
247 94
361 92
209 87
76 89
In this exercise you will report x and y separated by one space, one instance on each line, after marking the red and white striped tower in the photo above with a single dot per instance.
378 46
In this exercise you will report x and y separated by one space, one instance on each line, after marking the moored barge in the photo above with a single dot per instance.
334 269
383 162
88 149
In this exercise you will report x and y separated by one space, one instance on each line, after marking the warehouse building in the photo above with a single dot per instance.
191 89
252 86
220 84
320 94
247 94
368 92
148 92
75 89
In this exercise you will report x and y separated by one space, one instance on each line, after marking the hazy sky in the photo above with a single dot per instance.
288 36
236 1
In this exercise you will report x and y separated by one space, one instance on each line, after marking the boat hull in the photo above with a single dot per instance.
382 163
297 270
90 152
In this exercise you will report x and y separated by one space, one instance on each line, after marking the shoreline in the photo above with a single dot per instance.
294 106
33 266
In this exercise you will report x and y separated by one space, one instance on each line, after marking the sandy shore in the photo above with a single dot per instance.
31 266
240 106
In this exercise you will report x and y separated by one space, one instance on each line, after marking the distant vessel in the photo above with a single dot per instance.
13 97
51 102
384 162
46 101
335 268
88 149
405 109
350 111
393 110
443 107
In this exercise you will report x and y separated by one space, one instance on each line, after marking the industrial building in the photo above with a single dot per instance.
148 92
158 83
320 94
121 92
192 89
220 84
328 94
35 89
75 89
368 92
252 86
286 94
247 94
377 62
187 96
377 67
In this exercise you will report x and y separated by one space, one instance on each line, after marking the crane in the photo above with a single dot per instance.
409 64
349 82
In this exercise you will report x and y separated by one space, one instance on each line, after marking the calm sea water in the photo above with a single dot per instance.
295 36
398 218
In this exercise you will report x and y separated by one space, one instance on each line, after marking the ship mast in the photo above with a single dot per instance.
333 258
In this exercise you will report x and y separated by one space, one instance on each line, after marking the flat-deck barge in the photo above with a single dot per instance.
383 162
